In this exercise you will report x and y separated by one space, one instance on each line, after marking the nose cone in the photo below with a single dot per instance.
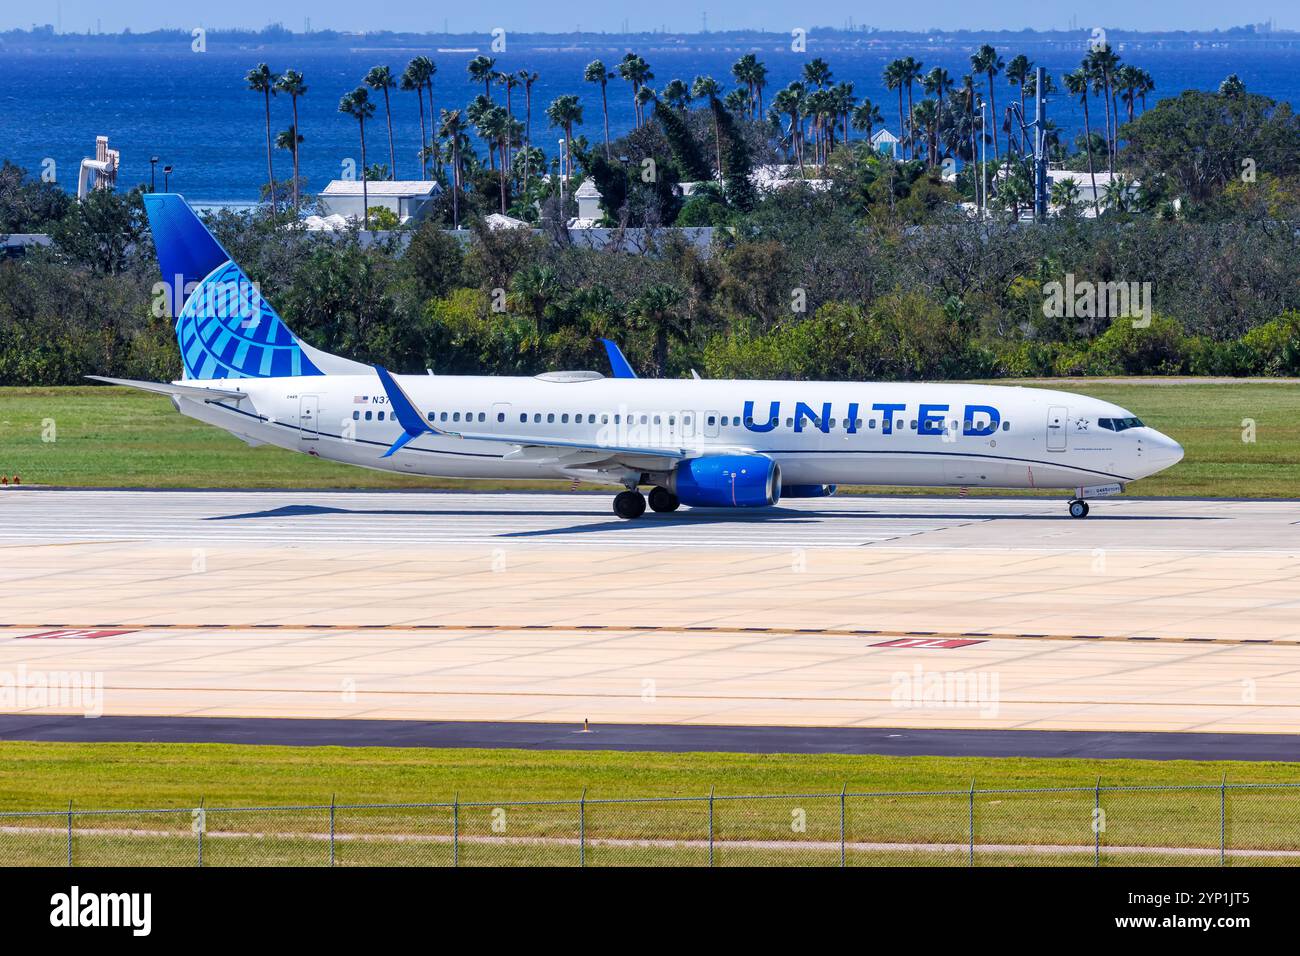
1162 451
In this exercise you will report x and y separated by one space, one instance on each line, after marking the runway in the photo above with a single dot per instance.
863 615
661 738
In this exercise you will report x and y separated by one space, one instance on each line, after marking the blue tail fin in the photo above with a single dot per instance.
224 327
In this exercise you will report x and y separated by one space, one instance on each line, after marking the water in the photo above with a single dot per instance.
194 112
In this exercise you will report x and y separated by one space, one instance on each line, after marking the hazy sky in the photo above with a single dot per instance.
76 16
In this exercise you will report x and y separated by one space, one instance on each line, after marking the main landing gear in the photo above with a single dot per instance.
1078 508
661 499
629 504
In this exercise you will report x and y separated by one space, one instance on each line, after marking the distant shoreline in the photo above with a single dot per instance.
821 38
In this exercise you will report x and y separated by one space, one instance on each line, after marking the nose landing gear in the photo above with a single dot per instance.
1078 508
629 504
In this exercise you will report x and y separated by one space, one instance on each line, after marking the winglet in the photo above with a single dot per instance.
408 416
617 362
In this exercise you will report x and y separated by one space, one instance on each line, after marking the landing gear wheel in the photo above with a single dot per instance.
629 504
661 499
1078 509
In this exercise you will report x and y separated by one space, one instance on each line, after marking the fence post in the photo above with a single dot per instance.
1096 825
710 826
843 791
332 798
69 833
455 830
1223 819
582 828
971 821
203 825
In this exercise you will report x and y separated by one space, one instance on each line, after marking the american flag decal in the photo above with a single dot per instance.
360 399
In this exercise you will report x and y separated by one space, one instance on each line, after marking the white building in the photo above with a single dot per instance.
589 211
407 198
1084 182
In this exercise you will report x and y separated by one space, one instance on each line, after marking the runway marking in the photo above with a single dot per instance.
929 639
75 634
928 642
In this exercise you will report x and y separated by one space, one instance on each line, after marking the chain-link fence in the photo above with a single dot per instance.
1210 825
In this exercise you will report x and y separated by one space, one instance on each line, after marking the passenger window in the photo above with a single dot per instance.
368 414
381 416
442 417
456 417
537 417
501 416
356 415
749 421
604 419
618 419
591 419
1006 426
711 420
523 419
550 417
565 418
482 416
899 424
789 423
644 420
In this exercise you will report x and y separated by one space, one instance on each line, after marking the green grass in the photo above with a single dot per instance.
113 437
159 777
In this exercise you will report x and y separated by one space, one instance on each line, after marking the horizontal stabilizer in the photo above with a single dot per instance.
199 392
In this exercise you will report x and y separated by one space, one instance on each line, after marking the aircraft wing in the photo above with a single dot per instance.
200 392
543 447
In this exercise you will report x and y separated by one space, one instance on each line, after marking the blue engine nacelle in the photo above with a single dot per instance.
727 481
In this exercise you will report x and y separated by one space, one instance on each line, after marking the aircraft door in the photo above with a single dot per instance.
1057 416
308 415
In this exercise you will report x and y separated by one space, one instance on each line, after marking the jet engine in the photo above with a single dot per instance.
727 481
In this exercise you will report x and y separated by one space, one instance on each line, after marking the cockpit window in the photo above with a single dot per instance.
1119 424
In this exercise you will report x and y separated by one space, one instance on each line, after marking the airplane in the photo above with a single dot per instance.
694 442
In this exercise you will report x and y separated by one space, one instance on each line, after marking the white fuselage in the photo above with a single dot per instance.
824 432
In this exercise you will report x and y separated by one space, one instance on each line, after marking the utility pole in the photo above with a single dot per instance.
1040 145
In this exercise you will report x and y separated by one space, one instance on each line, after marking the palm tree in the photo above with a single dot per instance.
528 79
1103 61
789 103
417 74
596 73
508 81
865 117
290 139
926 116
758 75
1116 194
842 94
893 79
482 69
291 83
659 311
1019 70
564 112
636 71
1128 79
357 105
533 289
744 70
1065 195
261 80
1076 84
452 127
1232 86
986 60
968 97
676 94
501 128
911 73
380 79
706 87
737 101
1146 85
817 72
